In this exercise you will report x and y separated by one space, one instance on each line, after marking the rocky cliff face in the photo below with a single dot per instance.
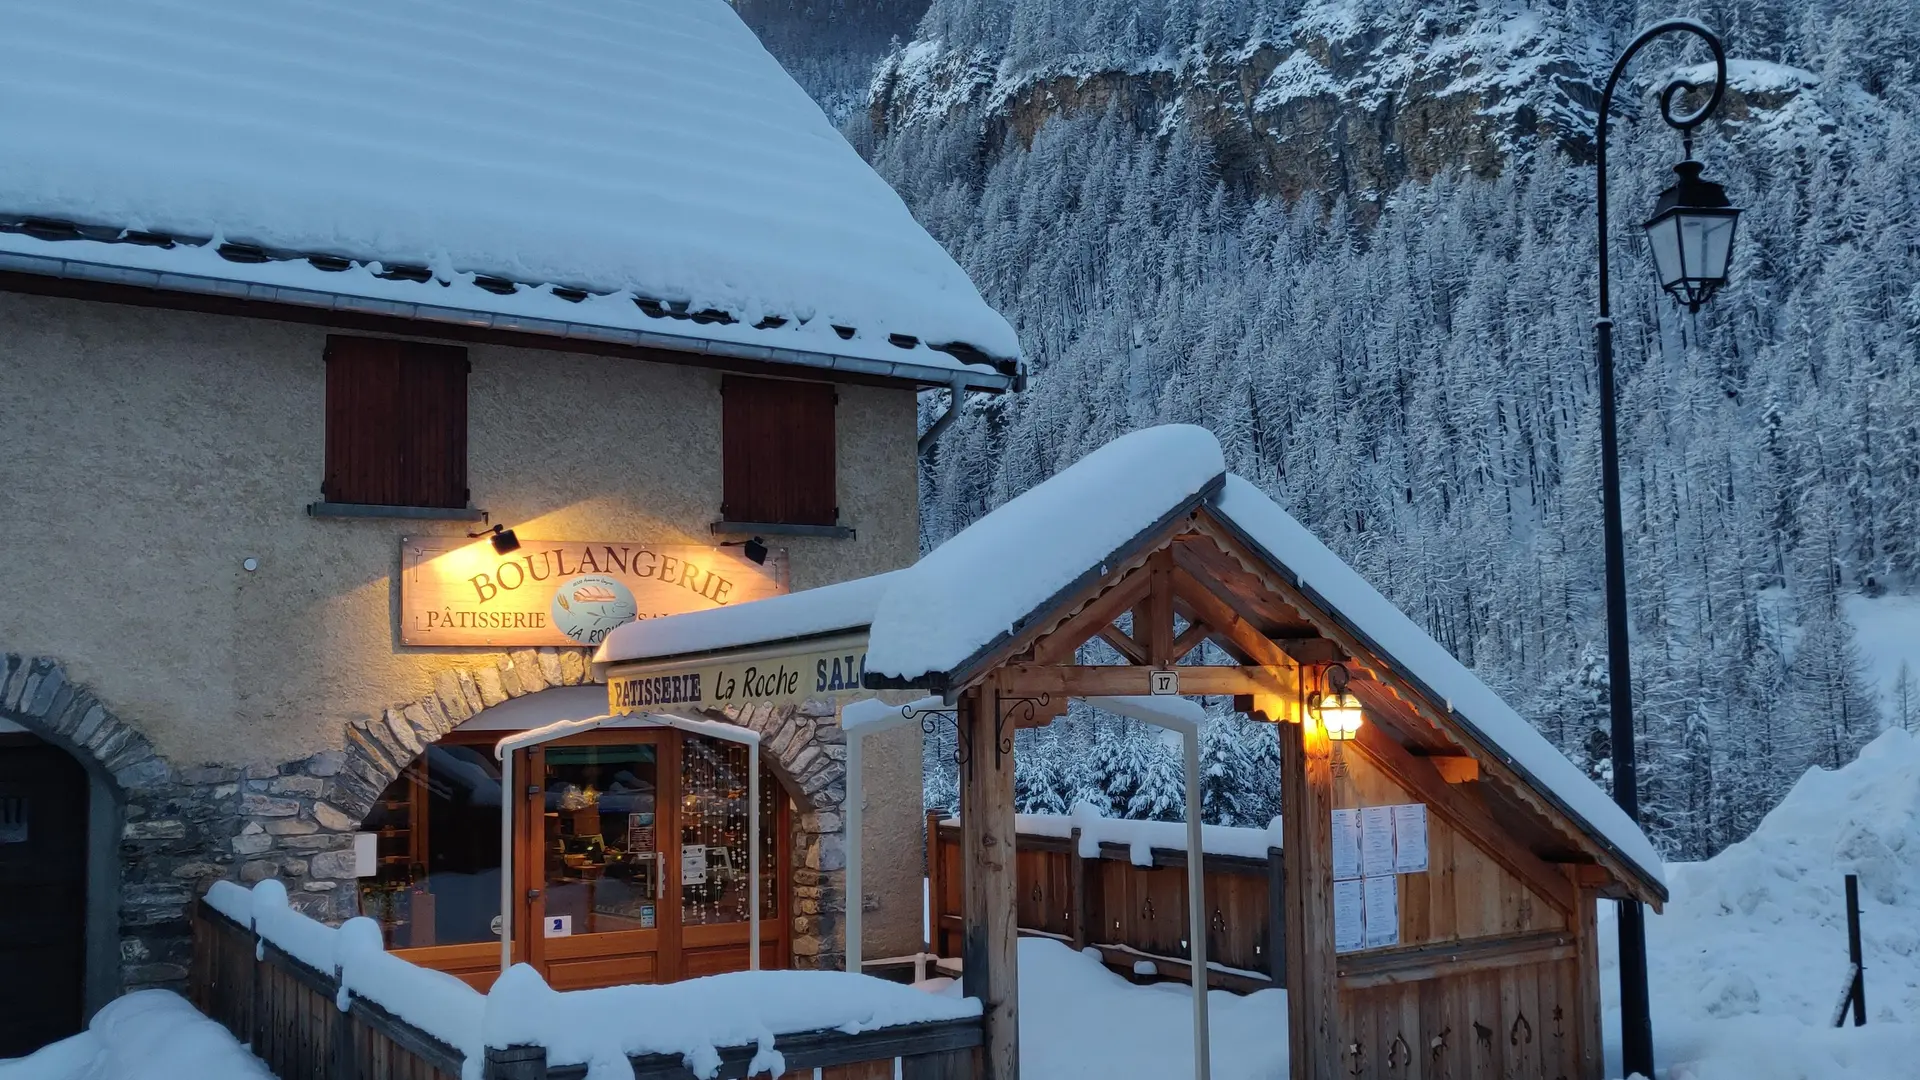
1335 102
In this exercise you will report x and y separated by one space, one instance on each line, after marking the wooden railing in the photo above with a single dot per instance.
1130 913
290 1015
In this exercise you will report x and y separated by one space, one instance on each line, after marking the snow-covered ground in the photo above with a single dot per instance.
149 1035
1887 630
1747 962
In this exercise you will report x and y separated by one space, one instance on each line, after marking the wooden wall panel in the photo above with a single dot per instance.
1464 894
1513 1022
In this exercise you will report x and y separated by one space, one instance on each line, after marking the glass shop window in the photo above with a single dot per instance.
438 881
603 861
713 834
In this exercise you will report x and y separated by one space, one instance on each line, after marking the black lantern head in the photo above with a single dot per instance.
1691 233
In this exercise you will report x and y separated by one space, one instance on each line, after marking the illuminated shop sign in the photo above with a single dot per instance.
456 591
762 678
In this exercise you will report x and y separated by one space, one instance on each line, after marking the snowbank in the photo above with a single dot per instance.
1748 963
1141 837
650 147
1079 1020
147 1035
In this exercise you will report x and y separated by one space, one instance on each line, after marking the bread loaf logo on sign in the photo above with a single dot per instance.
586 608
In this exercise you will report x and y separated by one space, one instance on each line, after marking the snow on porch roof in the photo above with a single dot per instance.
646 153
966 597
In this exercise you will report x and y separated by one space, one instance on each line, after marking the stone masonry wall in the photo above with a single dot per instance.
184 827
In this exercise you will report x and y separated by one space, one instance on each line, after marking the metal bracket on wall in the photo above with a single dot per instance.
1004 706
962 738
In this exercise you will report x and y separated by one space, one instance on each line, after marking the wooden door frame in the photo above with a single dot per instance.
530 855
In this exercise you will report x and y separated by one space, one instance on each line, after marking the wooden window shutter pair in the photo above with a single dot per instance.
777 452
396 423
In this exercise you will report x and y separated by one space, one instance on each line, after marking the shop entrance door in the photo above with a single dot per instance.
599 860
43 893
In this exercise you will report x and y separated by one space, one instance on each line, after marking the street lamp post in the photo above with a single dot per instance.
1691 234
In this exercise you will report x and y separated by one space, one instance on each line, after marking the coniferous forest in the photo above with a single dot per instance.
1401 350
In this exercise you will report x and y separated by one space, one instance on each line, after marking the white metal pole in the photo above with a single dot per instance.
1197 908
851 816
753 856
506 859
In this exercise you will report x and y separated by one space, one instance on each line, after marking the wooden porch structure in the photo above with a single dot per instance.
1491 964
1496 964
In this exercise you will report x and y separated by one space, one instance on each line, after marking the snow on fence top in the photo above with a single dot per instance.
1141 837
646 149
597 1028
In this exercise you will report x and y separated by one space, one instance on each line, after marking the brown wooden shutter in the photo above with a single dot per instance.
777 452
396 423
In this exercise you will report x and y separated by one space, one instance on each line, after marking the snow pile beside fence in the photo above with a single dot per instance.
1749 960
147 1035
597 1028
1141 837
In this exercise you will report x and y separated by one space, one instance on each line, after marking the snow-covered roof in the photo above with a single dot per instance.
929 624
627 150
829 609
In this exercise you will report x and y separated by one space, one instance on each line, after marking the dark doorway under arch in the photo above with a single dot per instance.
44 804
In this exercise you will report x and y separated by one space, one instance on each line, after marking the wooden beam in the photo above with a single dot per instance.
1419 777
1306 800
1234 632
1419 963
1313 650
1060 643
1123 680
1196 632
1122 644
1586 998
1456 768
990 938
1158 634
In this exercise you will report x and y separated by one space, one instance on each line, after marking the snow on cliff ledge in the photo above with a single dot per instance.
643 146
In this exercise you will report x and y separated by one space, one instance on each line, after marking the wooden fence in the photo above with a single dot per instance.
1130 913
289 1014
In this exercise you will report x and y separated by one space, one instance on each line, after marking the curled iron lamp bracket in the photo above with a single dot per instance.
930 723
1005 706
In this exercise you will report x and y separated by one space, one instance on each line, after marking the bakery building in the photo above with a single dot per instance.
361 374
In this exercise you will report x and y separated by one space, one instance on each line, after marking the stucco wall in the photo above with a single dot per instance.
148 452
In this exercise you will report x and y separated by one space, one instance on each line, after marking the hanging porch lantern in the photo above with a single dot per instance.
1691 234
1336 707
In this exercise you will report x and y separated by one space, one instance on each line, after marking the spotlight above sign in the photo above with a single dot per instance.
466 592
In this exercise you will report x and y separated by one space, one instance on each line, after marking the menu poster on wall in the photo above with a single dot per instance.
693 864
1410 838
1349 916
1382 909
1346 844
1376 840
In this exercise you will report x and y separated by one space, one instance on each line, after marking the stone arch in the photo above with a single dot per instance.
151 828
300 826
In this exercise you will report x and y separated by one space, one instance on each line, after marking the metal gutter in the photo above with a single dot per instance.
204 285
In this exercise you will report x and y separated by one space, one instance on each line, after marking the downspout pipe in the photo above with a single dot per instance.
944 420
